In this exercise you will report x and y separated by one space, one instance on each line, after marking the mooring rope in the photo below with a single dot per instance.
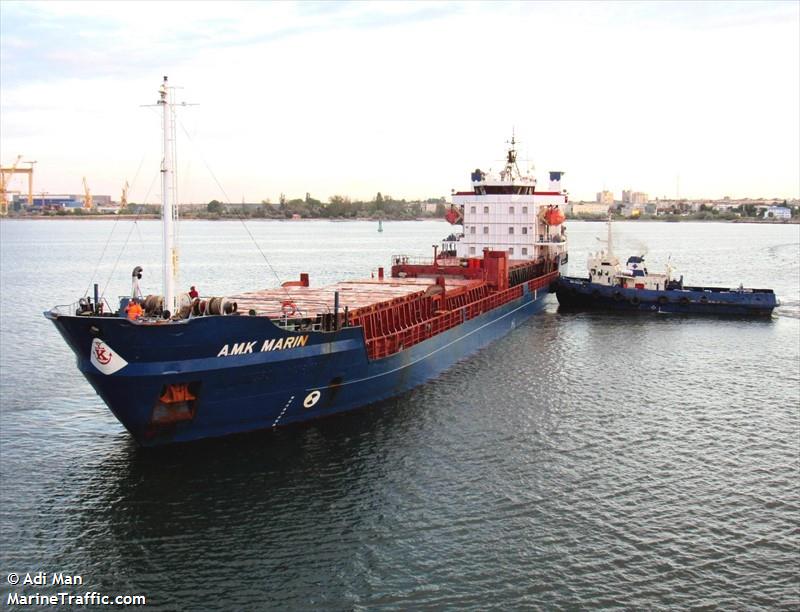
238 214
128 237
111 234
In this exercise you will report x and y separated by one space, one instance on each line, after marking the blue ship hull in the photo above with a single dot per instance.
319 373
579 293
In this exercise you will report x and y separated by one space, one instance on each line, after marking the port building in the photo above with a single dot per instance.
54 201
605 197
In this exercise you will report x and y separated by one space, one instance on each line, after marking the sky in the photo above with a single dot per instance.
697 99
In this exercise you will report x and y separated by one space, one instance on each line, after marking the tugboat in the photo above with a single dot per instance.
634 288
178 367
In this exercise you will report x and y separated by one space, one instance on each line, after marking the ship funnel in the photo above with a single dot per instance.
555 180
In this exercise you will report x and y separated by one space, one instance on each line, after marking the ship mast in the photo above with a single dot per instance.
511 159
170 253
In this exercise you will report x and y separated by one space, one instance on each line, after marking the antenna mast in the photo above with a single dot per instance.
511 157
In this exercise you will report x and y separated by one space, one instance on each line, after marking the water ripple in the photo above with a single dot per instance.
584 461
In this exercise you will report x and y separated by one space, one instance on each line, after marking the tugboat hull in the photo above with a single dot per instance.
580 293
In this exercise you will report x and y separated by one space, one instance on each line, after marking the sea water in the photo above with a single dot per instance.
585 460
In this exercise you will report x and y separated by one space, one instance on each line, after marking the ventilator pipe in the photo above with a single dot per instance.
136 276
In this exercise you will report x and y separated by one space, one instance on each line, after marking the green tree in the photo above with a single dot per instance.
338 206
216 207
314 206
297 206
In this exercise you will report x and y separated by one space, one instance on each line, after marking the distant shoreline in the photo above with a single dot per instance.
226 218
792 221
671 219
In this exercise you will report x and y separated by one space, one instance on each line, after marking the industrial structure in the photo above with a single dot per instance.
6 174
87 196
16 200
123 201
57 201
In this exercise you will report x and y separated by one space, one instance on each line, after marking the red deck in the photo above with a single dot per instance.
419 300
353 294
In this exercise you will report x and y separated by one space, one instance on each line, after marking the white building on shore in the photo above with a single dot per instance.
778 212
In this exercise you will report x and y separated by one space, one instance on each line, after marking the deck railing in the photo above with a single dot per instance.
401 326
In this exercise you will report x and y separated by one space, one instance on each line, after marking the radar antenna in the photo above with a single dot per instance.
511 158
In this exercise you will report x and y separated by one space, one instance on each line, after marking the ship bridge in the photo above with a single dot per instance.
506 212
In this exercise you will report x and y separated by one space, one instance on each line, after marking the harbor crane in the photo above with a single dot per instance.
29 172
87 195
6 174
123 201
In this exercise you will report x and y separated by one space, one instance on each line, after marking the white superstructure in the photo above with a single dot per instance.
605 269
506 212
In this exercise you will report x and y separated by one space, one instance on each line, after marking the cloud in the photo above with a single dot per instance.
406 98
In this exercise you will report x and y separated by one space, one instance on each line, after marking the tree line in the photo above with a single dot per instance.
337 207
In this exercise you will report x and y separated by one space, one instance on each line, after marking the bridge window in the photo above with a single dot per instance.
511 230
510 210
524 250
472 209
486 209
485 229
511 250
471 250
499 189
472 229
524 229
524 210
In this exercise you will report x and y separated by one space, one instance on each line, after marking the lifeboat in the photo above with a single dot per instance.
552 215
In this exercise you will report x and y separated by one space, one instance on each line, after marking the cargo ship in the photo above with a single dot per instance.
610 286
175 368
